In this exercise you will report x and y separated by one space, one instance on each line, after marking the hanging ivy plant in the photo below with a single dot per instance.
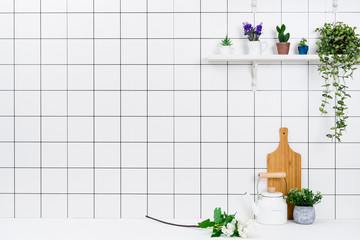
339 52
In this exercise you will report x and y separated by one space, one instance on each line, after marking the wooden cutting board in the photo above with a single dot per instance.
283 159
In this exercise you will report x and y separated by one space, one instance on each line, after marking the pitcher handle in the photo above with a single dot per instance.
264 46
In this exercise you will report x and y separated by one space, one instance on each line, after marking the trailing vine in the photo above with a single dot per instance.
339 52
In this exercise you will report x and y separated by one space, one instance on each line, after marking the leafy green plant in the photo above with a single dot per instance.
303 197
303 42
281 33
226 41
339 52
228 225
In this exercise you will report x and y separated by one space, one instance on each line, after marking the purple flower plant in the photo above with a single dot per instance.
252 33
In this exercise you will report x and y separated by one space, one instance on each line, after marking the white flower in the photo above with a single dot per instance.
246 228
229 229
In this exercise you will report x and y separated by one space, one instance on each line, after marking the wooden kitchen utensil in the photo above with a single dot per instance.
284 159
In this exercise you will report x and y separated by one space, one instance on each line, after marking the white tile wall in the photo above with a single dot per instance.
109 108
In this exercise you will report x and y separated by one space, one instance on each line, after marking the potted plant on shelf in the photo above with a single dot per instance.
226 46
304 201
339 52
303 47
255 46
283 45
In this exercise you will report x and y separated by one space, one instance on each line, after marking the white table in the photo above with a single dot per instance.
85 229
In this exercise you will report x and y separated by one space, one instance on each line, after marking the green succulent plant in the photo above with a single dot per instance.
303 42
282 36
303 197
226 41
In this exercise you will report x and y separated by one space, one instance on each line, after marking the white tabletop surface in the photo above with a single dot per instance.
85 229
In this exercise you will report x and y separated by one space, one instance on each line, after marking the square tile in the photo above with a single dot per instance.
267 129
213 129
269 78
53 25
235 27
187 103
54 129
214 6
6 128
107 129
214 181
160 129
161 206
264 99
107 103
54 206
187 181
134 206
27 51
160 6
6 48
319 127
187 5
240 103
107 25
53 51
107 206
160 103
80 77
292 20
214 155
53 5
107 51
267 6
326 209
27 6
7 205
7 176
7 6
27 155
343 178
81 6
8 77
321 155
187 155
289 6
187 207
186 77
133 51
160 181
133 5
214 103
241 155
133 181
80 25
7 150
107 6
27 206
107 181
80 155
298 128
27 25
187 129
7 31
243 176
133 154
187 51
27 77
298 81
80 51
241 129
350 135
210 202
352 104
315 98
54 77
54 180
54 154
213 77
54 103
80 129
27 180
80 103
160 51
160 155
133 103
6 103
133 25
239 77
213 25
27 129
160 25
241 205
186 25
133 77
261 152
343 204
133 129
81 206
345 155
80 180
160 77
317 182
107 154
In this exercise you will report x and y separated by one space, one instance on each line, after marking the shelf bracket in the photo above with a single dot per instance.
335 5
254 71
253 6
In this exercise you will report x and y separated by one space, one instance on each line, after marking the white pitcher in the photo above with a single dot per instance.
256 47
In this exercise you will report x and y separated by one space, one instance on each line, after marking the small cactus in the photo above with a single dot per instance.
226 41
282 37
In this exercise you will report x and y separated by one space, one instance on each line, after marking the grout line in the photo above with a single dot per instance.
173 119
14 107
67 111
94 113
147 107
41 126
200 103
120 104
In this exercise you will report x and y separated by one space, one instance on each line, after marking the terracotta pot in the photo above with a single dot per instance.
283 47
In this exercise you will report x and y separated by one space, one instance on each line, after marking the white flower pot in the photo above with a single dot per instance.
256 47
226 50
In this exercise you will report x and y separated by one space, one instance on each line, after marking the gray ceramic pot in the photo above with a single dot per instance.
304 215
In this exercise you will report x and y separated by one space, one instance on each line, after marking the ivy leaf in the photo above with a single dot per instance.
218 217
206 223
216 233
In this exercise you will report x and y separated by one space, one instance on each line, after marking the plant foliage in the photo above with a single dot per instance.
303 197
303 42
281 33
339 52
226 41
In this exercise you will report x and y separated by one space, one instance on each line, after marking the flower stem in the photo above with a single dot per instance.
172 224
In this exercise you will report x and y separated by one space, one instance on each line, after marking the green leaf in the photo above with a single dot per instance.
216 234
218 217
205 224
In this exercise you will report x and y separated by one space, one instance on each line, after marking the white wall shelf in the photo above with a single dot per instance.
256 59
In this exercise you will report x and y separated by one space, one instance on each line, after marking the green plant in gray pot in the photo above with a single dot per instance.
304 201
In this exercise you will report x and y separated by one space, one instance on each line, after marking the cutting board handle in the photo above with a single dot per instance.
272 175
